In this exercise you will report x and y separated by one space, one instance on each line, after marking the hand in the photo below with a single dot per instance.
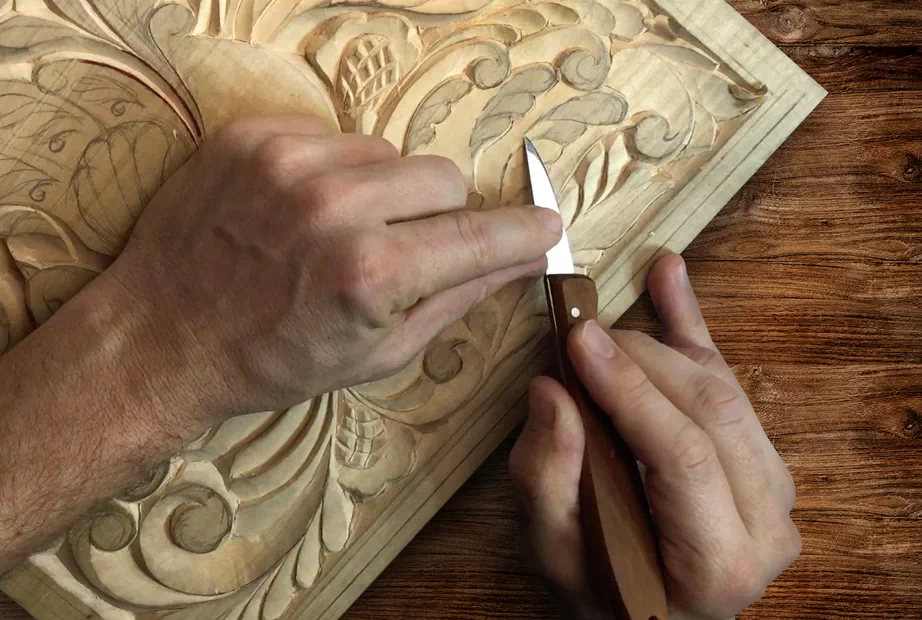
282 261
719 493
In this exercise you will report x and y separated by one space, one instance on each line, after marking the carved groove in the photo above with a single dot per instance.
109 97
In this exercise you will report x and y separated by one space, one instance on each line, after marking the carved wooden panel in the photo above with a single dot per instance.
650 115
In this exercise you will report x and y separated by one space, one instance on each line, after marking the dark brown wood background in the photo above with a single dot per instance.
811 280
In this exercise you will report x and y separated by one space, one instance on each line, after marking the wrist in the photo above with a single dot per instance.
136 361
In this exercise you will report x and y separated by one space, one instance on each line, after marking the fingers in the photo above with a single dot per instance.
445 251
684 328
432 245
547 460
409 188
314 156
720 495
676 305
307 166
753 468
680 457
545 466
432 315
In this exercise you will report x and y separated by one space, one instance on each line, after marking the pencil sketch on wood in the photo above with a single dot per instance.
649 119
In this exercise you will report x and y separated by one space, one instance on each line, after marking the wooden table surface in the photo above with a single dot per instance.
811 280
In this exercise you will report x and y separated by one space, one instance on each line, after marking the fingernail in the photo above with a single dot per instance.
549 218
598 341
542 413
683 273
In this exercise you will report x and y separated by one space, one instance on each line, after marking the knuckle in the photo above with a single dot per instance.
713 395
397 355
385 149
730 582
784 544
727 579
630 338
788 491
693 451
448 171
704 356
369 279
477 237
447 175
635 386
271 160
235 134
790 545
324 197
402 353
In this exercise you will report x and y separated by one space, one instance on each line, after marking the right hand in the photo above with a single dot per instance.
282 261
719 493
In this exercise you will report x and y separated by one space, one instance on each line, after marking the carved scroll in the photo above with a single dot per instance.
102 100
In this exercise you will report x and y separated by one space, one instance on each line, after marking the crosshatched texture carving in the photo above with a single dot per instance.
277 511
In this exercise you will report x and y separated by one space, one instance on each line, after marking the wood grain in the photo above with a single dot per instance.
855 68
805 22
649 117
812 282
833 233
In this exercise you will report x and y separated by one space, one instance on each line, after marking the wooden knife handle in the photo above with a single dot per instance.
617 528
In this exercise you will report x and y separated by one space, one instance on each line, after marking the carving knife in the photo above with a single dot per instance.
617 528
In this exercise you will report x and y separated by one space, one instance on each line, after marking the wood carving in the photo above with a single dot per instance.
649 118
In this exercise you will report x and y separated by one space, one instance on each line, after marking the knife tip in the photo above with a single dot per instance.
530 147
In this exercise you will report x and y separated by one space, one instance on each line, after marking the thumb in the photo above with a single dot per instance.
545 466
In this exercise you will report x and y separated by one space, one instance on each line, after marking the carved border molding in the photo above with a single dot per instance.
651 114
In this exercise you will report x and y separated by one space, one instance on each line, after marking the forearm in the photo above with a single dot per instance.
82 418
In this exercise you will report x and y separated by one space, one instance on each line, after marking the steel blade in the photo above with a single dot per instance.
559 258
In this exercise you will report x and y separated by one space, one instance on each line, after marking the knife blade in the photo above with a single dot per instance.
617 528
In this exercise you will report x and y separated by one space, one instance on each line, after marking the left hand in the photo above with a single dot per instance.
719 494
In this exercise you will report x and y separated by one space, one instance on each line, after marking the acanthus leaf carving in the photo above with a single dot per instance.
513 100
105 99
434 109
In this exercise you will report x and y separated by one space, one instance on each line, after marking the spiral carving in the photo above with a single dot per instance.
442 362
491 70
653 137
275 503
585 69
200 523
113 530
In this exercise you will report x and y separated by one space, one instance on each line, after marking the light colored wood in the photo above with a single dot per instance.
650 116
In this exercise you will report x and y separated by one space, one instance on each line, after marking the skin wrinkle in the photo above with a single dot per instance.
234 295
716 564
